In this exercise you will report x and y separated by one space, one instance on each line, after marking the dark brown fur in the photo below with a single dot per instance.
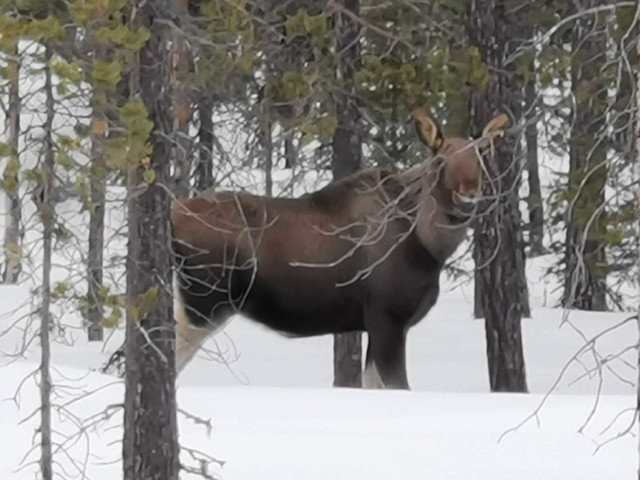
362 254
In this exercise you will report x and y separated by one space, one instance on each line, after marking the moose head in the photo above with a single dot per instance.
458 159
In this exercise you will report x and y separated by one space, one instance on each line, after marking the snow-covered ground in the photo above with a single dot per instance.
275 415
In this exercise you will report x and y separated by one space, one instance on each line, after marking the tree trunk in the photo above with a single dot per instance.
265 140
534 200
268 158
97 179
625 119
181 103
290 152
637 152
150 446
12 232
47 216
500 248
585 261
347 158
478 289
204 168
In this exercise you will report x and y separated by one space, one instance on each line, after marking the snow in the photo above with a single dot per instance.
274 413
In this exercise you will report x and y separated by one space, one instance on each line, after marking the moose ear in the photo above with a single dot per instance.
493 128
428 131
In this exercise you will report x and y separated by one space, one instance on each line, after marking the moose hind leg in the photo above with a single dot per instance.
190 337
386 356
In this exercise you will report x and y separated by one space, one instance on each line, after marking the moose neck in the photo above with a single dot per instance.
438 229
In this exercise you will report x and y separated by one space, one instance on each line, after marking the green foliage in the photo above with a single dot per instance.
71 72
84 191
126 152
614 236
245 62
321 128
85 11
5 150
149 176
472 68
623 21
11 29
48 28
292 85
60 290
69 143
123 36
34 175
228 20
64 160
554 64
114 319
145 305
10 178
134 114
524 66
399 86
303 24
111 303
106 75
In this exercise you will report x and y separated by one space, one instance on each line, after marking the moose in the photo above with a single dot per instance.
361 254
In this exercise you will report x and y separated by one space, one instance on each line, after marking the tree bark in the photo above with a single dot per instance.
290 152
204 168
346 159
268 158
150 446
500 256
637 152
97 182
534 199
47 216
478 289
585 261
181 102
12 232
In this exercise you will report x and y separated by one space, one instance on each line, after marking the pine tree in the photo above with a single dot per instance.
97 186
499 254
150 446
47 214
585 260
181 59
534 198
11 181
347 158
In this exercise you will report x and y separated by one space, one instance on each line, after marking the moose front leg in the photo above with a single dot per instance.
386 353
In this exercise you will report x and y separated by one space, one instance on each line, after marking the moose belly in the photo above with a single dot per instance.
301 306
